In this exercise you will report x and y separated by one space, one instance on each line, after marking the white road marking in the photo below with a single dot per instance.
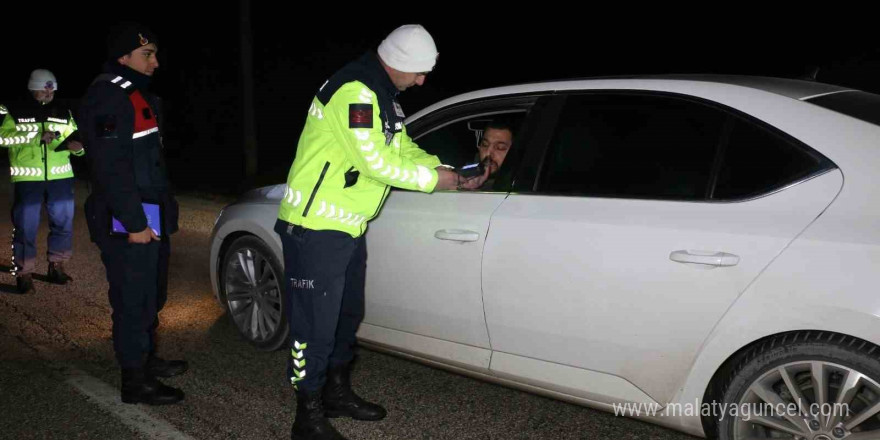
107 398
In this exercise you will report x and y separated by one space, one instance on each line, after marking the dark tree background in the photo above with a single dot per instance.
296 47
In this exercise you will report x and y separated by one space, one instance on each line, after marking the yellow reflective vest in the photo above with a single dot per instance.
353 147
29 159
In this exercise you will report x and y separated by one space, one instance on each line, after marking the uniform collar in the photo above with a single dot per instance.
28 104
378 74
140 81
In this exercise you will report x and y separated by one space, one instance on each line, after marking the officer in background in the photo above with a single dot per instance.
353 148
40 136
123 130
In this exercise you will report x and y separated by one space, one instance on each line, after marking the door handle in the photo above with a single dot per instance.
457 235
720 259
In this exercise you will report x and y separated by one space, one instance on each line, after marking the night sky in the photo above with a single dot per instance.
297 47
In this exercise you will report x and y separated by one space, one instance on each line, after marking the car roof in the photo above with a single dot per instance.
791 88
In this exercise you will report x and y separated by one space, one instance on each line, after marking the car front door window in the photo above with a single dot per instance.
458 143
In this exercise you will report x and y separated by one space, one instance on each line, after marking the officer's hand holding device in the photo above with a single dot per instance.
472 170
472 176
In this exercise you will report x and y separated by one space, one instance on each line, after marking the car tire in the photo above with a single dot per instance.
819 369
250 287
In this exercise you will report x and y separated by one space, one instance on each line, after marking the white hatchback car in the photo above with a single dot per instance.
698 251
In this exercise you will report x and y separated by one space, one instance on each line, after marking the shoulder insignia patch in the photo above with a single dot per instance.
105 126
360 116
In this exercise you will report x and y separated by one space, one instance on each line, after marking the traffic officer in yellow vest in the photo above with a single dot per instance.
40 136
353 148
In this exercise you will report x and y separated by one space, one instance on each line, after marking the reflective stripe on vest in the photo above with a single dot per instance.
289 194
339 214
25 171
61 170
17 140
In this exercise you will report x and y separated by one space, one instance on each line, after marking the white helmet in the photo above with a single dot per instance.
42 79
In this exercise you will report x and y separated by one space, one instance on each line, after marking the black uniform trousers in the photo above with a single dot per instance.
138 278
324 275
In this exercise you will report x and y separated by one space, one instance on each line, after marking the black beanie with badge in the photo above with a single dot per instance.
126 37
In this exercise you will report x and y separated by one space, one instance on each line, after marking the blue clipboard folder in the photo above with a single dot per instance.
154 214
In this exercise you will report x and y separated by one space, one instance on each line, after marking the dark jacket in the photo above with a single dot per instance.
122 127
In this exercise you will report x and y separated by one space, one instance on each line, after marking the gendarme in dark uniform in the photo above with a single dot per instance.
123 127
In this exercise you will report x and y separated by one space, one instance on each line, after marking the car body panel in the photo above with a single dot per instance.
608 298
671 422
408 289
603 388
457 355
826 279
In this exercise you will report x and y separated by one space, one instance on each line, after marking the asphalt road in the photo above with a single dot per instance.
56 345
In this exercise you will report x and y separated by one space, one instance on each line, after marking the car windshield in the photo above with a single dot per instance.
858 104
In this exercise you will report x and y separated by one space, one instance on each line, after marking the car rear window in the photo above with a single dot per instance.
858 104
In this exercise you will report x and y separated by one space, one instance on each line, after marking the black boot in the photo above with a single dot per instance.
25 284
310 423
341 401
140 387
157 366
57 275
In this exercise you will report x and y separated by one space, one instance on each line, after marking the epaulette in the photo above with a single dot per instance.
119 81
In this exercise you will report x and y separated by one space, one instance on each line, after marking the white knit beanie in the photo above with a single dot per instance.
409 48
42 79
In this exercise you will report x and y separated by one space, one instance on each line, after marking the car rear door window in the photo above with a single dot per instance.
633 146
758 160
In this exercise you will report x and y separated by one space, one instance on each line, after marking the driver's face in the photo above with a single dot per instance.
494 146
